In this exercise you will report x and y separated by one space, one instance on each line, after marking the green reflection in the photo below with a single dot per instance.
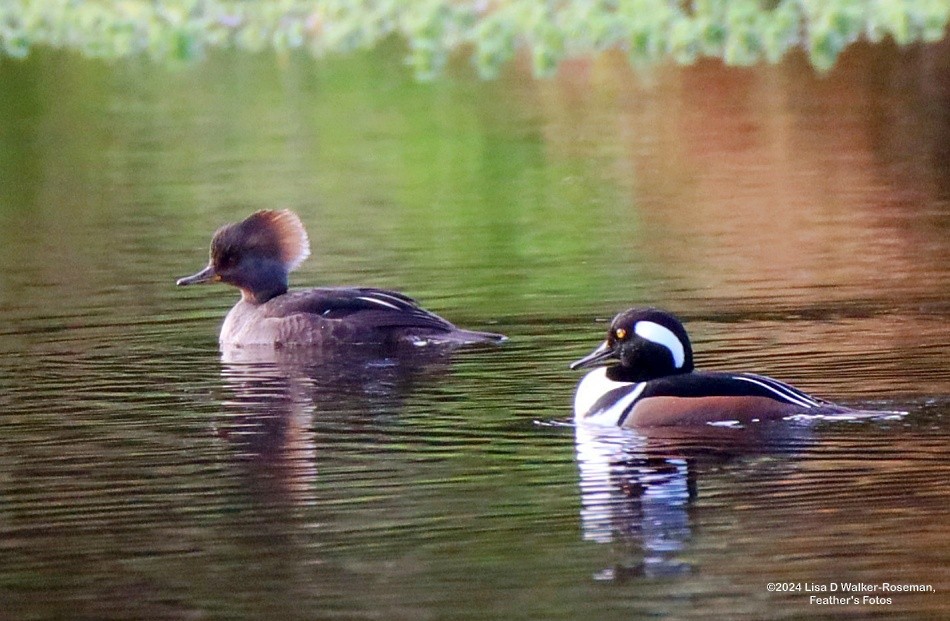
454 191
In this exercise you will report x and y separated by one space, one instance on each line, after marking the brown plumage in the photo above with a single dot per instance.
257 254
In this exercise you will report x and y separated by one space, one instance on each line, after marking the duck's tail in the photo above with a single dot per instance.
472 337
455 338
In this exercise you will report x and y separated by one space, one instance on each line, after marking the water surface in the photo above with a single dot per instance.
799 225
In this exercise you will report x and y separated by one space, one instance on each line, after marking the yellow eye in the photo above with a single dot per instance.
620 333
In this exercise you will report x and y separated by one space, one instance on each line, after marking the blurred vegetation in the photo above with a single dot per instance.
492 32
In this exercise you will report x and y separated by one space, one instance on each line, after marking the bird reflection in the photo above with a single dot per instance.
638 488
275 395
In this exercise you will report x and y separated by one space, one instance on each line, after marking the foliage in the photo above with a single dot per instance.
740 32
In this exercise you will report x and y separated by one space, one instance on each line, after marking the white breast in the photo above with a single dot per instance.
594 386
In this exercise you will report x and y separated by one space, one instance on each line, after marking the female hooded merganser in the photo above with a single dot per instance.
256 256
651 382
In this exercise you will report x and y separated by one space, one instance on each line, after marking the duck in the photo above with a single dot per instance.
257 255
644 376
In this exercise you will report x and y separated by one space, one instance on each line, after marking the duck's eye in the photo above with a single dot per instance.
620 333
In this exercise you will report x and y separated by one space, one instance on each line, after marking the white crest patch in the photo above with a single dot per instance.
661 335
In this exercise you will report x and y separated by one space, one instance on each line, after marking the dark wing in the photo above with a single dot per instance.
372 308
730 385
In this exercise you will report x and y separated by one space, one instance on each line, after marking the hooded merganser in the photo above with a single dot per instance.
652 382
256 256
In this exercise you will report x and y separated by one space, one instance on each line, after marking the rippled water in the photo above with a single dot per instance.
800 226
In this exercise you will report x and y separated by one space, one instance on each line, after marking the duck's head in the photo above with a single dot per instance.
642 344
256 254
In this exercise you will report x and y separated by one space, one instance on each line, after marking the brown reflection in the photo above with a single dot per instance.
792 180
771 184
275 396
638 489
868 504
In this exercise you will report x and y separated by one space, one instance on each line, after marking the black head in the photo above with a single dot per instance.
256 254
642 344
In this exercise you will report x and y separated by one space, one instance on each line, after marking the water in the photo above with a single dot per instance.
799 225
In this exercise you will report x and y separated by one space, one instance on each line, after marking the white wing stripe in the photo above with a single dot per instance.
784 394
791 390
396 299
372 300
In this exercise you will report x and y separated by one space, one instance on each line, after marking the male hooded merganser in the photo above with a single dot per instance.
650 381
256 256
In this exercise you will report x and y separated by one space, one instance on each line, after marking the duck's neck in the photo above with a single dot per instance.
621 373
266 279
256 297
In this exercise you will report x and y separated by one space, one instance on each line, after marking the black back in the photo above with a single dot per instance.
365 306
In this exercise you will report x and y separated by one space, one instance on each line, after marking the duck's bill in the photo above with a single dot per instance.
205 275
601 354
